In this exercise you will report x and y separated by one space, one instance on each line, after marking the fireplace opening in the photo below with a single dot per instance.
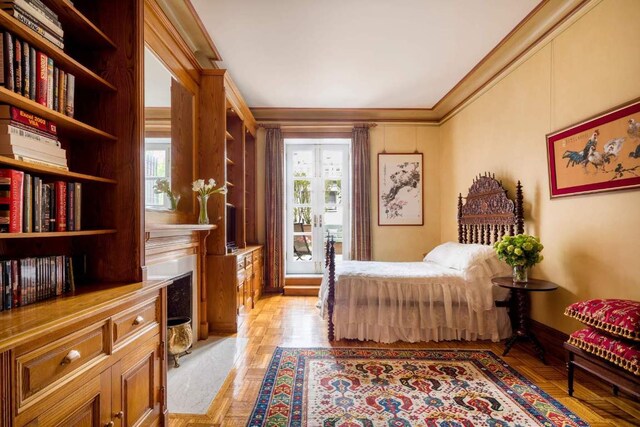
180 297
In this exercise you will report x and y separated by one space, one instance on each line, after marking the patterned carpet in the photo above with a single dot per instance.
355 387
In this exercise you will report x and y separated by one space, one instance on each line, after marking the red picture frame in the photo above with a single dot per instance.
596 155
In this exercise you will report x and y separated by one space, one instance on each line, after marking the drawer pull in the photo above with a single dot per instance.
138 320
109 424
119 415
70 357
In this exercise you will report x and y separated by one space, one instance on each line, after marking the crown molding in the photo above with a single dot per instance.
534 29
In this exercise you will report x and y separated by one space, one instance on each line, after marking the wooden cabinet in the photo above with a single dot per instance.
234 286
92 359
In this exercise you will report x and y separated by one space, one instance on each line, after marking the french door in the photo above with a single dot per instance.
317 202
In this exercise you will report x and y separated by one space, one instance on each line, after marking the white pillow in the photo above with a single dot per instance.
460 256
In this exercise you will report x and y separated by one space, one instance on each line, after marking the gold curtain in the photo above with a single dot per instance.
361 199
274 263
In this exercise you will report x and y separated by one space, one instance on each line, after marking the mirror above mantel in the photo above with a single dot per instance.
169 141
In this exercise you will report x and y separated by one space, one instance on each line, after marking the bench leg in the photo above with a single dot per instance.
570 369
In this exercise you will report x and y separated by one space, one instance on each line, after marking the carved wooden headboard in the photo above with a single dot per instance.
488 213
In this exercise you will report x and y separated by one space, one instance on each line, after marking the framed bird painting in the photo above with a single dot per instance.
599 154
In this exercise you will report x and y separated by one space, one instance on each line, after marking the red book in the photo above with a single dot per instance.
9 112
42 78
61 206
11 197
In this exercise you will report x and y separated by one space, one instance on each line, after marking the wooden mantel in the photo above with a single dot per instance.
166 242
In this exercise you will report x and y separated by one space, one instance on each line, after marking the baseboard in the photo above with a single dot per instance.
551 339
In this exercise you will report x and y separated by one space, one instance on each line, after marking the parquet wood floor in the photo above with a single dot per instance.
294 322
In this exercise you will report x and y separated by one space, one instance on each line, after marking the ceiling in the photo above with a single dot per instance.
157 82
354 53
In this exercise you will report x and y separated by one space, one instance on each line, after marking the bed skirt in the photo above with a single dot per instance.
496 326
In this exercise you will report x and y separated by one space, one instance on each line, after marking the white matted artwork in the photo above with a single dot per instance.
400 184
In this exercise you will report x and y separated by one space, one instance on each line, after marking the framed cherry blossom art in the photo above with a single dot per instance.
599 154
400 189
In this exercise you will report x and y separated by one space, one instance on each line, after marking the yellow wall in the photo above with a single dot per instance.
591 241
406 243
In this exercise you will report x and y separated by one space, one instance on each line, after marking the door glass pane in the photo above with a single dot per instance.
332 164
335 230
302 247
302 163
301 191
332 194
301 220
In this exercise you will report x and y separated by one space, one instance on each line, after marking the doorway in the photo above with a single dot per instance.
317 202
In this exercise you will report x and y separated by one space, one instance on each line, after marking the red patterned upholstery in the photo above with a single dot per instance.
615 316
623 353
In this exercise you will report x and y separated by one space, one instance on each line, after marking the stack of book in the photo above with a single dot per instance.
35 15
30 205
28 280
32 74
27 137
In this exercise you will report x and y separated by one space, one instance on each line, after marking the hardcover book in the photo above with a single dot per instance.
7 59
27 205
71 88
61 205
26 72
50 82
32 73
17 67
11 200
9 112
41 81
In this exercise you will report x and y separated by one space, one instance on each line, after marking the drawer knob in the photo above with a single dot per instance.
70 357
119 415
109 424
138 320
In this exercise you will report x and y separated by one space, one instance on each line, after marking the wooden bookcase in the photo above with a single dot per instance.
228 154
116 320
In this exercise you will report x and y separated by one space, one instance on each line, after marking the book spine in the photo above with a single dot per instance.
35 161
71 206
41 83
37 14
16 128
7 56
46 207
26 72
32 73
15 283
56 88
6 282
3 72
61 91
50 83
77 217
37 204
42 7
71 89
13 113
27 204
13 198
52 207
61 206
37 28
17 61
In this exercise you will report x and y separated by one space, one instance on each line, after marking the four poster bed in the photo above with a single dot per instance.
448 296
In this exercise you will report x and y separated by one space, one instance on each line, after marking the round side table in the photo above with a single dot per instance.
521 294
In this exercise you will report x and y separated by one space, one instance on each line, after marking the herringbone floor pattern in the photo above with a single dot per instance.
294 322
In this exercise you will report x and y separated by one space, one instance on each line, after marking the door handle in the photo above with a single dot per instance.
315 220
320 217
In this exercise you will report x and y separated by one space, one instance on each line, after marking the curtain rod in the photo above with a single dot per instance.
317 125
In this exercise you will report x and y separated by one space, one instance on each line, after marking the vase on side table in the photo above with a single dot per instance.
520 274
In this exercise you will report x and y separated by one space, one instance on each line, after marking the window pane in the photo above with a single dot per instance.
302 163
335 231
301 192
302 245
332 194
332 164
151 198
155 162
301 220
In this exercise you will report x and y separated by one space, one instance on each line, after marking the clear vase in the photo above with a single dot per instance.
520 274
203 217
174 199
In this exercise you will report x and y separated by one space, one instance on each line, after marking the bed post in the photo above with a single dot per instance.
519 209
332 283
326 250
461 238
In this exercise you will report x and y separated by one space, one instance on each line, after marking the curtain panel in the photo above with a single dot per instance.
361 199
274 200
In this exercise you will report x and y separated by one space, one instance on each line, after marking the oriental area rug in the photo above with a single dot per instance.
356 387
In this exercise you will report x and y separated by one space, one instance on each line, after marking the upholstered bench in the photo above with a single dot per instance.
609 347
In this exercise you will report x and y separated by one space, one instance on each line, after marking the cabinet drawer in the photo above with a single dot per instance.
240 262
135 320
242 274
256 256
41 368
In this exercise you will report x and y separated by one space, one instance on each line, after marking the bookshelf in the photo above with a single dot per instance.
123 369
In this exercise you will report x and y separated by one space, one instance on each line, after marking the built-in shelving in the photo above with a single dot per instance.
55 234
53 171
83 75
229 136
69 125
78 26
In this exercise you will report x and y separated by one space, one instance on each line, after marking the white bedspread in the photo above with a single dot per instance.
414 301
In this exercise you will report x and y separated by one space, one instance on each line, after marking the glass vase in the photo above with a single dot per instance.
520 274
174 199
203 217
